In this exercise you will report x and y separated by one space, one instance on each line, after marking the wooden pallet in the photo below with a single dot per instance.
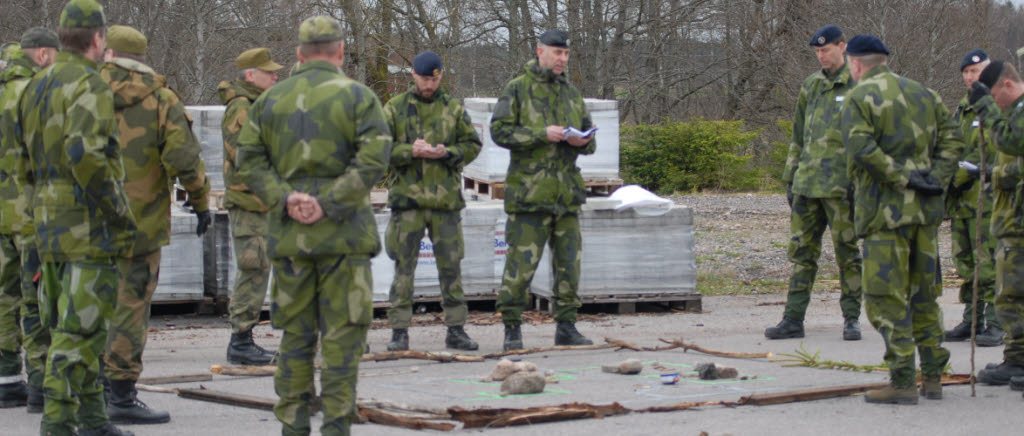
627 303
602 187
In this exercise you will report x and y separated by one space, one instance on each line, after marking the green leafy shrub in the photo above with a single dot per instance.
689 156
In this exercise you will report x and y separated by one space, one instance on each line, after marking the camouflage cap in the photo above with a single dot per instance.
124 39
320 28
82 13
38 37
256 58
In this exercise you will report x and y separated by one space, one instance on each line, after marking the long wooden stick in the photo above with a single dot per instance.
228 398
184 378
978 252
809 394
378 416
442 356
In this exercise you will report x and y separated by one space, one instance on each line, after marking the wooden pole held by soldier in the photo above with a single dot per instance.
978 250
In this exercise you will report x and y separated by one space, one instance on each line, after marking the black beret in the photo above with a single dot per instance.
427 63
990 75
865 45
555 38
826 35
972 57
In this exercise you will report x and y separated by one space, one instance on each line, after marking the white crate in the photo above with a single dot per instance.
181 262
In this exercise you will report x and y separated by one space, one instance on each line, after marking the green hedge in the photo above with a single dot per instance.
690 156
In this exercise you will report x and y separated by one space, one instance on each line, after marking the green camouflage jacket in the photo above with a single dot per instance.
15 215
1007 128
542 176
429 183
324 134
891 126
72 159
238 95
816 165
962 195
157 145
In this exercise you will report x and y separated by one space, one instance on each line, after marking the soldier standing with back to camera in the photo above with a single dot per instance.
902 149
433 140
819 191
247 214
544 187
158 146
313 148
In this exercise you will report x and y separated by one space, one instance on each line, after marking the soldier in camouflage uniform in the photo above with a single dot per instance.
902 148
962 209
19 303
247 214
819 191
158 146
433 139
312 149
71 161
544 187
1006 125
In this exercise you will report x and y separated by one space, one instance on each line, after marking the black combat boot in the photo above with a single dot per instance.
459 340
851 330
107 429
1000 374
399 340
513 337
566 334
35 400
961 332
124 406
243 351
990 337
13 395
1017 383
787 328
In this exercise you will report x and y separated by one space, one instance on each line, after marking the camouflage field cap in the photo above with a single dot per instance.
82 13
38 37
124 39
320 28
257 58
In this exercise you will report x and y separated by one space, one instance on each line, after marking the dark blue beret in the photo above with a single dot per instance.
990 75
427 63
865 45
972 57
826 35
555 38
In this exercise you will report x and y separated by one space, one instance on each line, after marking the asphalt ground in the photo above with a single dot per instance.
188 345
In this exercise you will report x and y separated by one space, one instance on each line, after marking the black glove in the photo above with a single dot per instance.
924 183
978 91
205 219
789 194
975 172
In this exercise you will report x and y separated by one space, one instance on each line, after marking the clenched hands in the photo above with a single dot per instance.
304 208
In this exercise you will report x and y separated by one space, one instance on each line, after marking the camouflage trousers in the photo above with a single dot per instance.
329 298
808 220
77 300
20 325
129 328
402 242
35 333
526 235
248 236
901 283
10 311
1010 295
964 232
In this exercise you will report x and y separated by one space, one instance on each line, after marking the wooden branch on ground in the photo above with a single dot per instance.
442 356
257 371
685 406
148 388
378 416
439 413
228 398
536 350
809 394
477 418
184 378
691 346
